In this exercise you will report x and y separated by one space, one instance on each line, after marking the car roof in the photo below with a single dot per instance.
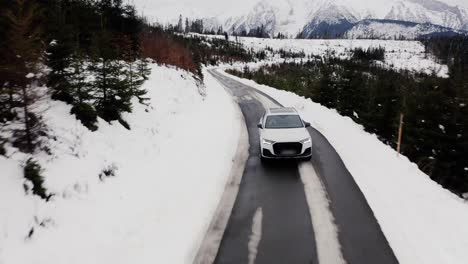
281 111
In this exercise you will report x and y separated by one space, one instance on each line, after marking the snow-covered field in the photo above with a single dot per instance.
170 171
399 55
423 222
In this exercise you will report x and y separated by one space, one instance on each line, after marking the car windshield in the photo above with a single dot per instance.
283 121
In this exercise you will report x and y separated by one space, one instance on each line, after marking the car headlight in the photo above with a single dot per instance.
267 142
306 141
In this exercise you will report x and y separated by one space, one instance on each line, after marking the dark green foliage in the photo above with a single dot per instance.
449 50
219 50
291 54
451 112
93 51
80 89
143 69
112 93
258 32
32 172
436 113
86 114
100 39
281 36
21 52
369 54
197 26
70 27
136 70
137 73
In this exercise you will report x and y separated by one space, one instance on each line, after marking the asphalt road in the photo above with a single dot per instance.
287 233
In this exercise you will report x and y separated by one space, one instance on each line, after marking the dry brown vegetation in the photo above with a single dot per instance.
164 49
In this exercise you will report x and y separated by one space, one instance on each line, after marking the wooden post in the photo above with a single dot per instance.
400 133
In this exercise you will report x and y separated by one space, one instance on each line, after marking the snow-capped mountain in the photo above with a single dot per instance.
330 20
334 18
283 16
394 29
429 11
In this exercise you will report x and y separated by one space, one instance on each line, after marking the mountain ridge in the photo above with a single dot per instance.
316 18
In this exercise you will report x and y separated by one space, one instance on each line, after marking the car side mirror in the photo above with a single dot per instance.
306 124
260 126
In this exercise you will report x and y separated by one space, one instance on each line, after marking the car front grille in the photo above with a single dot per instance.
287 149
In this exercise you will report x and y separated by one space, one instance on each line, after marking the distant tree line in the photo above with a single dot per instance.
369 54
290 54
191 52
435 109
198 26
192 26
211 51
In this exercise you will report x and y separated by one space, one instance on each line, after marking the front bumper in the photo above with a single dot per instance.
268 151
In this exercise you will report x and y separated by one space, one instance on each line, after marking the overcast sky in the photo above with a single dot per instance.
167 9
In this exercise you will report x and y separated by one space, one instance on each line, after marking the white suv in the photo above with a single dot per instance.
283 134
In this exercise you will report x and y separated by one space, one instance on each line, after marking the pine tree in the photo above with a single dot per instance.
59 52
180 25
59 77
112 96
220 31
25 47
326 94
187 25
197 26
136 70
80 88
7 100
111 92
81 92
143 69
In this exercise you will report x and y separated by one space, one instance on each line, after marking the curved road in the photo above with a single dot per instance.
271 220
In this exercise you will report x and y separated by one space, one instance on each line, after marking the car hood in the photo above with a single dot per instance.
285 135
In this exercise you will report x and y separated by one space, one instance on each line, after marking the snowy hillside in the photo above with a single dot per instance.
138 215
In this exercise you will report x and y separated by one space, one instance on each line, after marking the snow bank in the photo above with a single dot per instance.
170 171
399 55
423 222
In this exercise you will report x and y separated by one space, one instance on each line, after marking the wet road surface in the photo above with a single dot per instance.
285 231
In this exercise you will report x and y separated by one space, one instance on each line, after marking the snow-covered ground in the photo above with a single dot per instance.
423 222
399 55
170 172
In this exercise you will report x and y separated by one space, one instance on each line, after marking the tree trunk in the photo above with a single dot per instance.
104 80
27 127
400 133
